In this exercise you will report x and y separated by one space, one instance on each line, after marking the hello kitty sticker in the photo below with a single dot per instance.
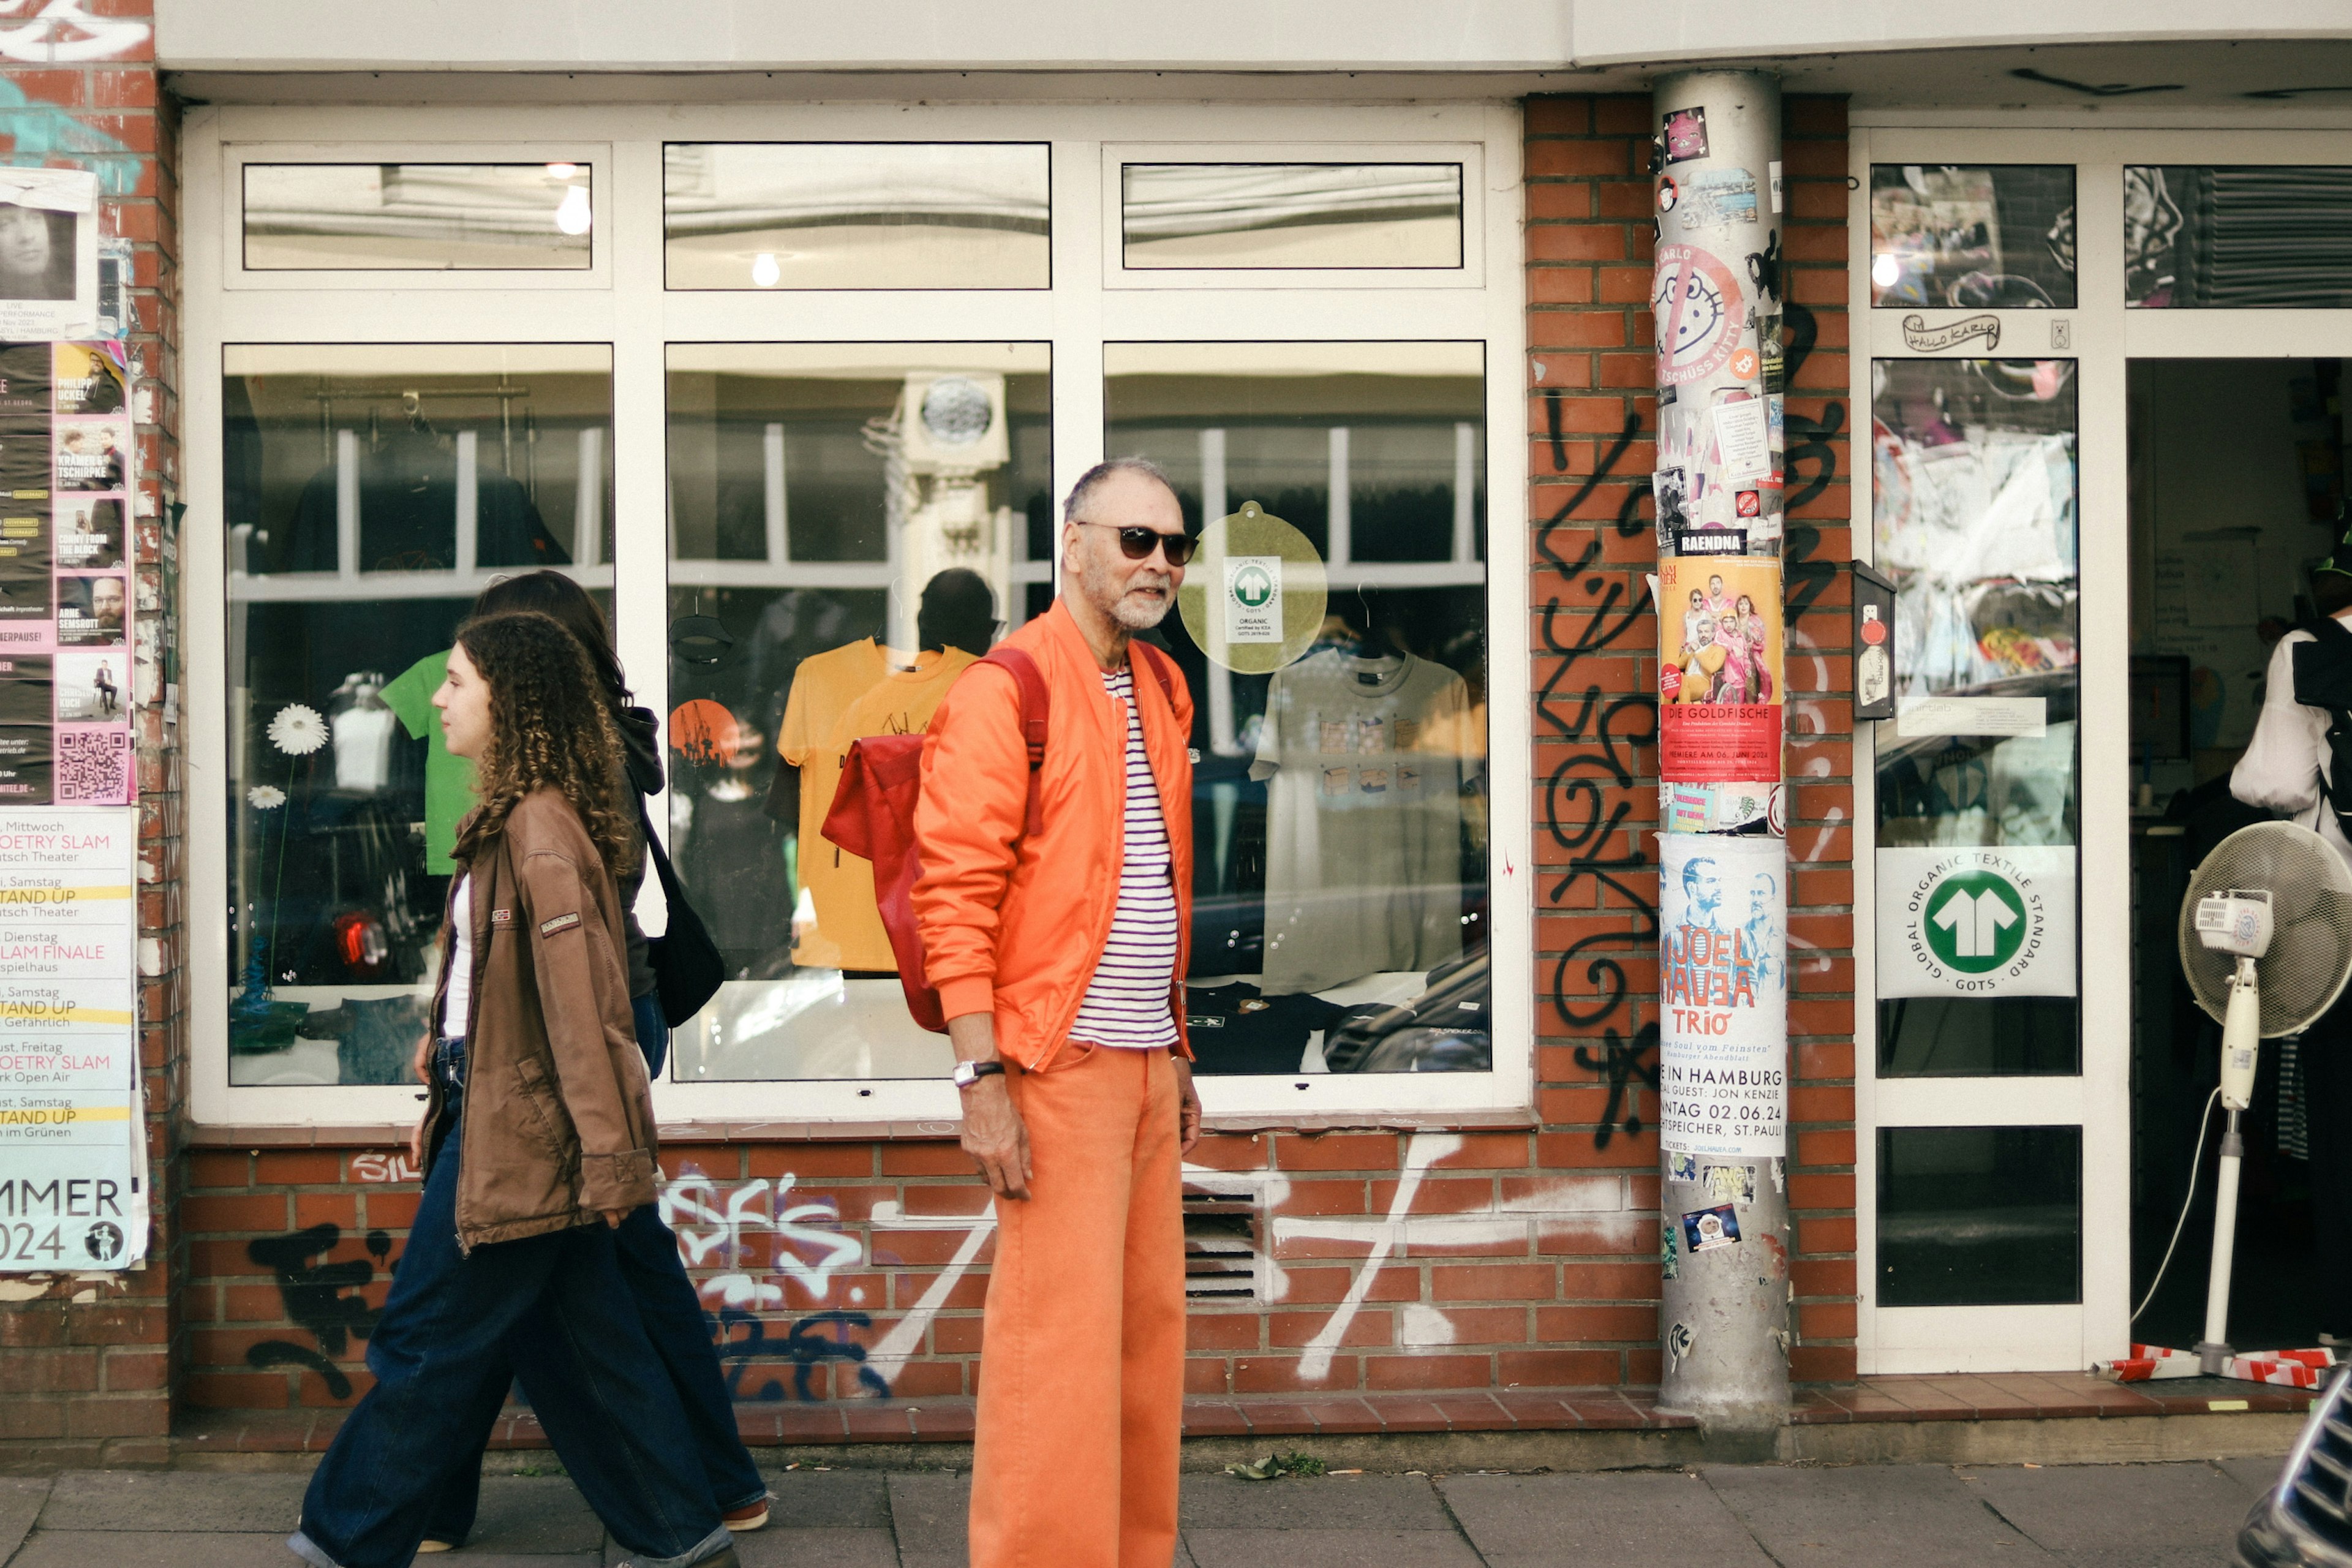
1699 310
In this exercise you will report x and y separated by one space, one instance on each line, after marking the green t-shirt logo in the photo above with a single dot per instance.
1975 922
1253 586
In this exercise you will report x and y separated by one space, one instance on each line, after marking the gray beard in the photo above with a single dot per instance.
1105 591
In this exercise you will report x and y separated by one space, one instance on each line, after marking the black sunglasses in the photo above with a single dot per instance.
1137 543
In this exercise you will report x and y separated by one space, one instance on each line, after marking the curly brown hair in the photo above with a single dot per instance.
550 728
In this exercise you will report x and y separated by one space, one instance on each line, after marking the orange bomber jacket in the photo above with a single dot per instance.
1015 925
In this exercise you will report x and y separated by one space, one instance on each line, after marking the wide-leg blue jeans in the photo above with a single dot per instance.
611 1412
672 1318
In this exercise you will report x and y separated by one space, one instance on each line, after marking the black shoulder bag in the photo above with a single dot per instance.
687 968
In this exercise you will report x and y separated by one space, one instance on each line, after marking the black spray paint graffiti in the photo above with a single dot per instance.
804 1346
1577 812
314 1298
1576 809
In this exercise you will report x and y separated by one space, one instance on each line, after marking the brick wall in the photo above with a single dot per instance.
1434 1261
87 1365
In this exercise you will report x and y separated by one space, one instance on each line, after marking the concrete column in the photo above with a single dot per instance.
1723 960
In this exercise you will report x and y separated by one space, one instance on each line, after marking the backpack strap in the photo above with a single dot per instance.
1035 703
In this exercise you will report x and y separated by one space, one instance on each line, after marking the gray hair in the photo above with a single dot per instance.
1081 492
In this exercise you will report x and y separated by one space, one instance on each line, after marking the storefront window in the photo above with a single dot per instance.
811 464
417 217
1339 822
856 214
1978 816
369 493
818 493
2201 237
1972 236
1292 214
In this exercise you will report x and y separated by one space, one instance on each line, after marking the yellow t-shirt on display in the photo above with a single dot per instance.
866 697
823 686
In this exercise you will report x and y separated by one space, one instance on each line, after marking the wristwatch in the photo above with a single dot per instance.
966 1074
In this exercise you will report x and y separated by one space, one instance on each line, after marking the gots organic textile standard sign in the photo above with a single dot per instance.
1254 598
1977 923
73 1188
1723 995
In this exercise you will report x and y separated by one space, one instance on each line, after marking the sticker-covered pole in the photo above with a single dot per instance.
1723 978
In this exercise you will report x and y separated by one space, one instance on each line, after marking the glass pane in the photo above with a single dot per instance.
1980 1216
856 214
815 491
1292 214
2237 240
369 493
1972 236
1974 498
1339 807
416 216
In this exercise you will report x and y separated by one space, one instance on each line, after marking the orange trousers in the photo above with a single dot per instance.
1082 1354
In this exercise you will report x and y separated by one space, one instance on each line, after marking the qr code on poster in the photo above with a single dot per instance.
93 767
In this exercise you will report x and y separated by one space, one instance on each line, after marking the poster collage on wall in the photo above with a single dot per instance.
65 593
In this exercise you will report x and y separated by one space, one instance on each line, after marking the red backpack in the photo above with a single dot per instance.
873 814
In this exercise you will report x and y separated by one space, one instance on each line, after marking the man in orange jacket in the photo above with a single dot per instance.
1059 958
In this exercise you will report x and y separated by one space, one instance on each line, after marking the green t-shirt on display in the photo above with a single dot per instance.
448 781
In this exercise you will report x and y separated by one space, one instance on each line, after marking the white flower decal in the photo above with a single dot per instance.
265 797
298 730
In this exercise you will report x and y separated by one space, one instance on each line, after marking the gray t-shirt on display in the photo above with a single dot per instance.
1363 868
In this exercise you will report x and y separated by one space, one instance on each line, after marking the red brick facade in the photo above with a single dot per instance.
88 1364
1367 1260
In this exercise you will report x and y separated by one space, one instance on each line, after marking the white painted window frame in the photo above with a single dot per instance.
2104 337
634 313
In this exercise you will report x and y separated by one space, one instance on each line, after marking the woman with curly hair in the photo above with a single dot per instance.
666 1300
537 1143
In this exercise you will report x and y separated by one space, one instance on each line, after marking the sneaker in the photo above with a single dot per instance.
429 1544
752 1516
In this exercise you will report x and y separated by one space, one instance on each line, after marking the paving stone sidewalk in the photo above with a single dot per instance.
1916 1516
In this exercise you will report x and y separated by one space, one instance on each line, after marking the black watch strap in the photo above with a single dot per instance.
966 1074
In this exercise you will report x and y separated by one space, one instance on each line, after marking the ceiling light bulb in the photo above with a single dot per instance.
572 215
561 171
1884 270
764 271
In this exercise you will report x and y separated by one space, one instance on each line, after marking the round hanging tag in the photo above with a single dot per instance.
1253 597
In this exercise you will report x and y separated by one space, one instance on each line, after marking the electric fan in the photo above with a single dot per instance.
2266 946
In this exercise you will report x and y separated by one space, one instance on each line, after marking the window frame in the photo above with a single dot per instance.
595 156
1468 156
622 302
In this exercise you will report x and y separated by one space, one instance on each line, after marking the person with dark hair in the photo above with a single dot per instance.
957 610
2290 768
36 253
665 1295
537 1143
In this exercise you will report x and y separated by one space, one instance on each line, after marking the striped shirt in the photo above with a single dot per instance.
1127 1002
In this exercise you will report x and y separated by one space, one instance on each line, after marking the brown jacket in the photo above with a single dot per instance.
558 1117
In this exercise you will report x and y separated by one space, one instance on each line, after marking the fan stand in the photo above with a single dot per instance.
2241 1039
2213 1357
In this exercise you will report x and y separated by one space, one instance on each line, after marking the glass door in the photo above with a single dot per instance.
2104 376
1976 1219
